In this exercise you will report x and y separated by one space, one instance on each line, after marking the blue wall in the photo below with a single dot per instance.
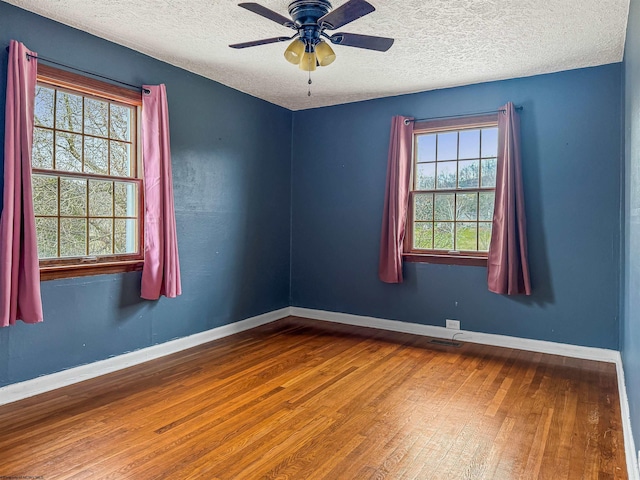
571 131
231 169
630 325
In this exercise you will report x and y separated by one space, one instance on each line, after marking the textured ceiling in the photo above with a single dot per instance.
439 43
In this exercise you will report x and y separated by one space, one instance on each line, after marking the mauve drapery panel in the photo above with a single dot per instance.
508 267
19 268
396 200
161 270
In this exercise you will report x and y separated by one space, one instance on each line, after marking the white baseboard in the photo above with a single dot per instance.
629 443
576 351
18 391
587 353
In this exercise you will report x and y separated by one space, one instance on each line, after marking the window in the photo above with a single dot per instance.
453 190
87 190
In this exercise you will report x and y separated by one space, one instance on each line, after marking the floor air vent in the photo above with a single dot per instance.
446 343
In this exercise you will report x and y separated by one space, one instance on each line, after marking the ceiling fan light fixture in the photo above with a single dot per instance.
308 62
294 51
325 54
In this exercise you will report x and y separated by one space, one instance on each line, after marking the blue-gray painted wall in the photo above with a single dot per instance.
630 324
571 153
231 170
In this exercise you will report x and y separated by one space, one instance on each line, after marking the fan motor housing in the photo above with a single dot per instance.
307 12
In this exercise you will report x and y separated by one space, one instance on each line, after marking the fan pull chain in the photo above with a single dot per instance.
309 92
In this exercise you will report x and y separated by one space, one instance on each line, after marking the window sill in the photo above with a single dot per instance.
50 272
445 259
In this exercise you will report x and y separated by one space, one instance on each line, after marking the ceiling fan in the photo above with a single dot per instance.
311 19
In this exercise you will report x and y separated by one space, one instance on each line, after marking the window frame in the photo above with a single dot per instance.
471 258
55 268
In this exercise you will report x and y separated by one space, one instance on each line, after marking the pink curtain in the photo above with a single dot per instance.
396 200
508 267
161 271
19 269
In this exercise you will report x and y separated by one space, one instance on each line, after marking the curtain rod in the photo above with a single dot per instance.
46 60
407 122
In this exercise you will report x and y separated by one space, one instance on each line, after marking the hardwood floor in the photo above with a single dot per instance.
300 399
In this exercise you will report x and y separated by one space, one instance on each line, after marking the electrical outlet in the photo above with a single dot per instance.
453 324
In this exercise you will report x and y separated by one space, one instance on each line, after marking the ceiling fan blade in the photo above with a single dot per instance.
347 13
381 44
260 42
266 13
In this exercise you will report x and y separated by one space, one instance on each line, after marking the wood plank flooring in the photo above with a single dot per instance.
301 399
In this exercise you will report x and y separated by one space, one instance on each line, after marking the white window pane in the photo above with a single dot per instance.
43 107
47 233
468 173
69 112
469 144
100 236
425 176
489 167
487 201
467 206
42 152
96 117
73 237
466 236
121 159
484 236
447 175
423 204
68 152
73 197
125 236
426 145
120 122
445 206
423 235
96 155
448 146
489 142
100 198
45 195
443 236
126 199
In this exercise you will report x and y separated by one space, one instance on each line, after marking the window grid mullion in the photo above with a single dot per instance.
480 164
82 169
55 120
109 138
478 221
455 223
433 220
455 195
457 160
435 184
87 221
414 185
90 135
462 190
92 176
59 210
113 217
